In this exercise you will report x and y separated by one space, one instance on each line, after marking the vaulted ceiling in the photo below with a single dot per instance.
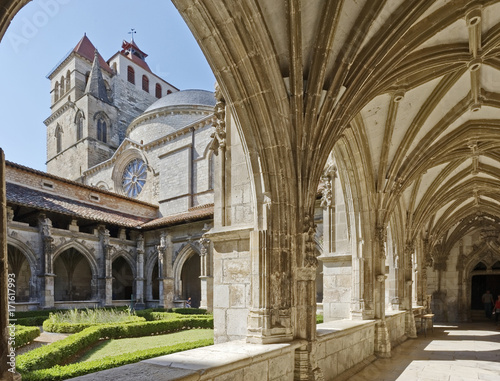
419 81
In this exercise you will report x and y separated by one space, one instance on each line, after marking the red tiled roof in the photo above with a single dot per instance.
86 49
74 183
194 214
137 61
20 195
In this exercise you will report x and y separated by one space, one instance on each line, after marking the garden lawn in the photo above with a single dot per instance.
114 347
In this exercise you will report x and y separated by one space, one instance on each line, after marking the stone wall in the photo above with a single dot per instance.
344 344
395 321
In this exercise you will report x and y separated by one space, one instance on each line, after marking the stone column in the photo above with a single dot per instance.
206 278
7 354
410 328
139 279
45 228
382 338
105 280
165 271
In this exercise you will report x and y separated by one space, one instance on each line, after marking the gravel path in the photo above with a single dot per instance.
44 339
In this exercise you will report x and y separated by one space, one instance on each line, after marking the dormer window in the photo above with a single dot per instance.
131 74
145 83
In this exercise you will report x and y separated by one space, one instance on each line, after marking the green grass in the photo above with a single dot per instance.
110 348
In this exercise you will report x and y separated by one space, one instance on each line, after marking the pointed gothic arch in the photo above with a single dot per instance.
22 263
75 279
487 253
185 254
103 126
151 272
58 136
123 277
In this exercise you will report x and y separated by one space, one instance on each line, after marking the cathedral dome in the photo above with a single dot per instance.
184 98
171 114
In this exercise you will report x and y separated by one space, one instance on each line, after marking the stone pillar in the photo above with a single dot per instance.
105 277
165 271
206 278
139 279
410 328
382 338
7 354
45 228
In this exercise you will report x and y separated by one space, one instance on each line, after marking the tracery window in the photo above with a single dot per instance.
102 130
134 177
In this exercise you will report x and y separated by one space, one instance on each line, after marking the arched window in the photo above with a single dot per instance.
58 139
158 91
62 86
131 74
68 80
79 127
145 83
56 92
102 130
87 75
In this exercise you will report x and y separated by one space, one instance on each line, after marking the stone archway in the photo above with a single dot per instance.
190 280
73 281
187 275
481 272
123 279
20 266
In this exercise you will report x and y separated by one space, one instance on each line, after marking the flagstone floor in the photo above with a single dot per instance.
452 352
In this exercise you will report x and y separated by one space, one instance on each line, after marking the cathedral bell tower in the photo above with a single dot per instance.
81 131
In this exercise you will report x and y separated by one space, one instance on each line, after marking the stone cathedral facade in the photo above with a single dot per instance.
119 216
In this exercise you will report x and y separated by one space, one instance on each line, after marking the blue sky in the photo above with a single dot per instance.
45 30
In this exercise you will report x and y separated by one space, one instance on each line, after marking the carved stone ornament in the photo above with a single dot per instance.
327 198
381 235
219 134
311 259
381 278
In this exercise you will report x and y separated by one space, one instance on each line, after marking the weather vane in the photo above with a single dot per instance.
132 32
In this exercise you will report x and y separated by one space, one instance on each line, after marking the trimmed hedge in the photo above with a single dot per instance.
56 353
189 311
32 321
319 319
49 326
79 369
25 335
